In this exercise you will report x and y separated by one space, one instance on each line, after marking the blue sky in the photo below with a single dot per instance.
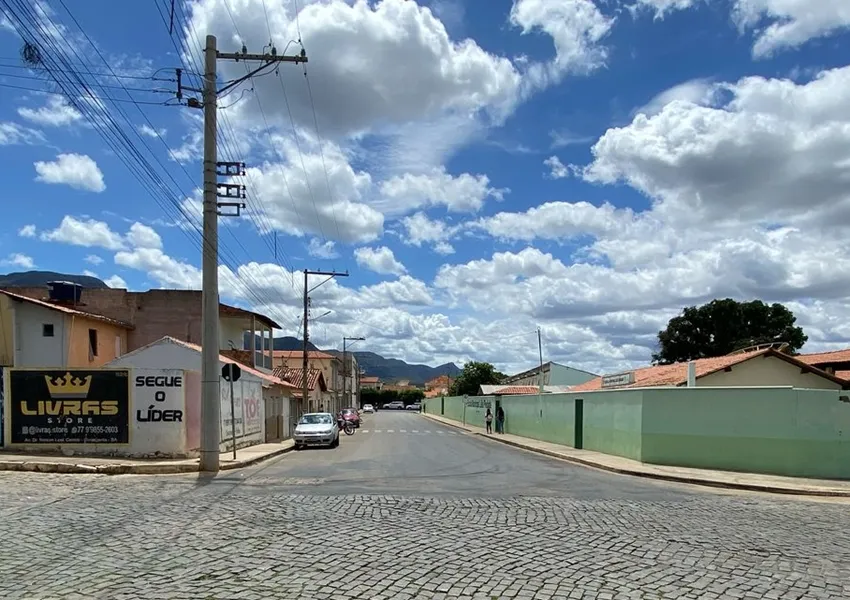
481 168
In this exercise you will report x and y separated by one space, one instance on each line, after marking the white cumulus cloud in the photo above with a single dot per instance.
76 170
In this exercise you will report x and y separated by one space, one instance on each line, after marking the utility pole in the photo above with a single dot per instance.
540 388
305 389
345 363
213 190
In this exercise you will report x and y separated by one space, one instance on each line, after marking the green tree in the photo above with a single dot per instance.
723 326
474 374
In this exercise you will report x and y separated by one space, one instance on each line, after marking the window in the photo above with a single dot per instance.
93 342
47 330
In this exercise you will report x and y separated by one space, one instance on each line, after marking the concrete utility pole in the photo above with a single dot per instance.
540 388
305 389
345 363
213 190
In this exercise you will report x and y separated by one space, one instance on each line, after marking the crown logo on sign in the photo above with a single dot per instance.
68 386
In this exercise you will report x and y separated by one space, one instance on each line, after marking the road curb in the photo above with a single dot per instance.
257 459
39 466
751 487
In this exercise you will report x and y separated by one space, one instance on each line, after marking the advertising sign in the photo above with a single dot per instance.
252 406
158 397
618 379
68 407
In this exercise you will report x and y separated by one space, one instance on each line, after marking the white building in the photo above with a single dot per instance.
262 402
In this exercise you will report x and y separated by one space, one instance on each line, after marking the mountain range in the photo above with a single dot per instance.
42 278
375 365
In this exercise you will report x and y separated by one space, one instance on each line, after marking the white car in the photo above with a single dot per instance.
316 429
368 408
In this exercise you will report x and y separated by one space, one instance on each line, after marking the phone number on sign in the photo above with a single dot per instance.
87 430
93 430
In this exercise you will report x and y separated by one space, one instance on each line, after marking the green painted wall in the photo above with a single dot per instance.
781 431
549 419
612 422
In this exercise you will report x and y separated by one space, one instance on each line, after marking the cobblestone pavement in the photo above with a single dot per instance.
136 537
252 535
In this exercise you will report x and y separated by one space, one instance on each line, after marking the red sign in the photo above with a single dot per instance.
252 408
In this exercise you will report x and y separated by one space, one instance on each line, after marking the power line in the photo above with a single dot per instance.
78 71
112 87
93 97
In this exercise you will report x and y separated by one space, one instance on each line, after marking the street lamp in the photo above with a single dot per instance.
345 363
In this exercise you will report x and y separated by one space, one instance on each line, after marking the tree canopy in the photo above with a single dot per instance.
723 326
380 397
474 374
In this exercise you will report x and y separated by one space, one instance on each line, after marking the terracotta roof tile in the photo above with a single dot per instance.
369 380
677 373
517 390
296 377
820 358
268 379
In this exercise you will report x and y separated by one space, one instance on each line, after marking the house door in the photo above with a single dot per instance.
578 442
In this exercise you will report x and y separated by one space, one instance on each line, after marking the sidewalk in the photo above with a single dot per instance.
127 466
616 464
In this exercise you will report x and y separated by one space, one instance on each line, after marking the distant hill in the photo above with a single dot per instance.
392 369
375 365
41 278
281 343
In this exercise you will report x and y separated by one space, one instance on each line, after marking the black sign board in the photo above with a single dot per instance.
69 407
231 372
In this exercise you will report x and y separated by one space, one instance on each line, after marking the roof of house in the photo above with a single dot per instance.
519 390
265 377
67 310
226 309
677 373
536 370
296 378
369 380
312 354
822 358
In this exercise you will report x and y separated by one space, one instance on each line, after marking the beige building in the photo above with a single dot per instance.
329 365
759 368
371 383
319 399
45 333
152 315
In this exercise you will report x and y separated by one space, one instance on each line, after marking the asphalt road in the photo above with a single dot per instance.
408 508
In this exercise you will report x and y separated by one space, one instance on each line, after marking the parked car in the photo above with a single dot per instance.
368 409
395 405
414 406
316 429
351 414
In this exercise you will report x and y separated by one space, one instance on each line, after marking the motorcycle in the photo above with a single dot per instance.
346 426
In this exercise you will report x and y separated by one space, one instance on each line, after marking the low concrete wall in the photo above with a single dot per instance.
780 431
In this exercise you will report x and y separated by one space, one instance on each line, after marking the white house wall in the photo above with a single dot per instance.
157 420
231 331
32 349
250 409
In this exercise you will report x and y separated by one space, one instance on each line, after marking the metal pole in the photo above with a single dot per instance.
210 387
304 366
540 387
233 413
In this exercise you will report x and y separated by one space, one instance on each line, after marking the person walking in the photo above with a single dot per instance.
488 419
500 420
